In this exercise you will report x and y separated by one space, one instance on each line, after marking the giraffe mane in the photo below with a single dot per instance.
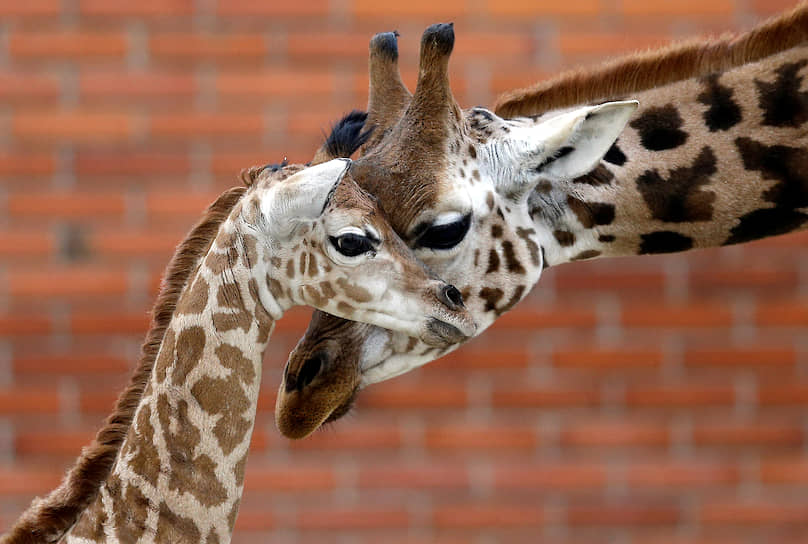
48 519
648 69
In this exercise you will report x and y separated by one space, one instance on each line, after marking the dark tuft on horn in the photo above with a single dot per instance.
347 135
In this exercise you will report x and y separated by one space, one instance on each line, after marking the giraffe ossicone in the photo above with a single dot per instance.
714 155
169 466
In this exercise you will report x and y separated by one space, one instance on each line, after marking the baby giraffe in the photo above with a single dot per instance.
293 236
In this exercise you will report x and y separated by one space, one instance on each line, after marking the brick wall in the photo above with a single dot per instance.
635 401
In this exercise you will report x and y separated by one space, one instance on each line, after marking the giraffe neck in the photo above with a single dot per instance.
180 472
706 161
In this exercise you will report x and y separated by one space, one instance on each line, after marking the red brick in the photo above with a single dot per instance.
552 477
24 481
752 513
474 436
169 203
744 277
672 8
526 8
24 324
614 434
585 277
67 205
667 475
132 163
357 518
788 471
32 8
481 516
622 514
292 83
408 396
607 359
135 244
549 397
304 8
73 364
29 401
684 396
109 323
233 48
603 43
693 315
78 127
26 244
73 282
126 87
143 8
783 395
23 163
734 357
493 44
751 434
232 163
414 8
52 442
531 318
428 476
479 357
327 45
95 402
199 125
771 7
25 89
66 45
252 520
783 313
288 479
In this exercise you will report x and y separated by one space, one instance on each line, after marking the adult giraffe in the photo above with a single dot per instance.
715 155
169 464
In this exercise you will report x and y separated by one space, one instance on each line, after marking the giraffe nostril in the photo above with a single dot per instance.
311 367
450 296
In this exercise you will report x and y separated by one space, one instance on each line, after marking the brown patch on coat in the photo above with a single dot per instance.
225 397
353 291
189 349
195 300
146 460
263 318
130 510
172 527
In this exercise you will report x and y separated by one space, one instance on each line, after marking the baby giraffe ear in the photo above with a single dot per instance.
577 140
302 196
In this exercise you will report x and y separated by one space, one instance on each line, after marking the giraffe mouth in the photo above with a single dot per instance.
441 334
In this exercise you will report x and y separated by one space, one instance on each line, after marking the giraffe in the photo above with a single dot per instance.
293 236
714 155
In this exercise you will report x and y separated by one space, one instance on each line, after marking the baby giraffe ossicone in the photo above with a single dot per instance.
169 464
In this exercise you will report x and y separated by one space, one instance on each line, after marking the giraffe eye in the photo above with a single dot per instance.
445 236
351 244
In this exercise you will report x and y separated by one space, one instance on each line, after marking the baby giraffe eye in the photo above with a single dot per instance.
445 236
351 244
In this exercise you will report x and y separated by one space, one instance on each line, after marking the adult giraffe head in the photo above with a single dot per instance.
455 185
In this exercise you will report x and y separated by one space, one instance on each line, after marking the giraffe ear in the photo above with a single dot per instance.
302 196
574 142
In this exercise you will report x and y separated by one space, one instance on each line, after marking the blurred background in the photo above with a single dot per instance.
632 401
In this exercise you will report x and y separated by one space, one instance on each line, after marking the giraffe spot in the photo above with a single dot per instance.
275 288
249 248
591 213
344 309
219 262
496 231
493 261
189 348
476 258
489 200
606 238
231 517
511 260
233 358
225 321
660 128
544 187
290 269
587 254
491 295
166 357
213 537
172 527
327 290
195 299
312 271
782 102
597 177
475 174
91 523
462 174
532 247
265 321
239 469
615 155
353 291
145 461
516 296
787 165
302 261
664 241
226 239
564 238
723 113
229 296
226 397
130 511
313 297
472 152
679 198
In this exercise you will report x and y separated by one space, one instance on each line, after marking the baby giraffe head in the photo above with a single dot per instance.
331 247
459 187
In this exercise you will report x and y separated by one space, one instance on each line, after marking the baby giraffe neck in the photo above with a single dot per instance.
180 472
